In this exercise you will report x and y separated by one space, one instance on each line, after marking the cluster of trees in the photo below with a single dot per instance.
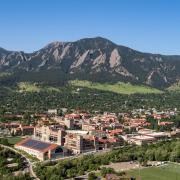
92 176
6 172
104 171
163 151
154 123
92 100
20 177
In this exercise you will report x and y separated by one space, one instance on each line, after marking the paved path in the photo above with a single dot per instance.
98 152
30 165
76 156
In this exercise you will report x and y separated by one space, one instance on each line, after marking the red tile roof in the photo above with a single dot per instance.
28 127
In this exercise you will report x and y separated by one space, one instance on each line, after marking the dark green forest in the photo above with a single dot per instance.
15 101
85 99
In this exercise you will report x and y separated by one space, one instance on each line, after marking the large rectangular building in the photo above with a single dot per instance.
141 139
39 149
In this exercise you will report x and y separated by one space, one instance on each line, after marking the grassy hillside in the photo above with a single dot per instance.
28 87
121 88
34 87
167 172
4 74
174 87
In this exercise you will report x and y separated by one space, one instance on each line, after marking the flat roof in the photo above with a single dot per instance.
156 134
143 138
77 132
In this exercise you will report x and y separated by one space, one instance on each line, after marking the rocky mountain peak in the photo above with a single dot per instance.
96 57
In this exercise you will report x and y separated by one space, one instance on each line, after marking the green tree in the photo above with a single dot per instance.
92 176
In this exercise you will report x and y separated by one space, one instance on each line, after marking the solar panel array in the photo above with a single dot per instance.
30 143
41 146
34 144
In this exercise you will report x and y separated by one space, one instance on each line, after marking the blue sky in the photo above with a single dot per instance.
145 25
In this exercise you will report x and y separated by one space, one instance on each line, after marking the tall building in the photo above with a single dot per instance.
74 143
53 134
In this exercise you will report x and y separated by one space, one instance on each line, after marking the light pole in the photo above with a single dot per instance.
139 171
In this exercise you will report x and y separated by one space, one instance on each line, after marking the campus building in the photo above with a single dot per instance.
22 130
52 134
39 149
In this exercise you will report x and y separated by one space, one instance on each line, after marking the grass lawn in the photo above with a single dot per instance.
167 172
52 89
121 88
4 74
28 87
35 87
14 140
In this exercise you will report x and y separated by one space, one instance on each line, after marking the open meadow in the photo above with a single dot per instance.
169 171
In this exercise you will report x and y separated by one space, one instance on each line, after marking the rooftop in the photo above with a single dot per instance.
143 137
37 145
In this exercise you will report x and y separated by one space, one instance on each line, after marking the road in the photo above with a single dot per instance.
82 154
30 165
76 156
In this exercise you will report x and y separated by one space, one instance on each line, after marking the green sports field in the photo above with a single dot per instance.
14 140
167 172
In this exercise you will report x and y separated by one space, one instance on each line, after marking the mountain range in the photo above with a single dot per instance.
96 59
